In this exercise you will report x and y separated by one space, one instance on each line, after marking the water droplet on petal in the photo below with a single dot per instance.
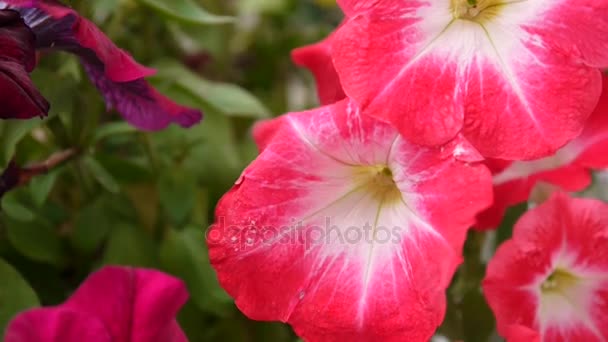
240 180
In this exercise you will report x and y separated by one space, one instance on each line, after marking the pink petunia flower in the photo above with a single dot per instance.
19 97
569 168
115 304
346 230
113 71
551 278
517 78
317 58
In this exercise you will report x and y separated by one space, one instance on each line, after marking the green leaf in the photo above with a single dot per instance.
512 215
113 128
12 206
101 175
91 227
183 254
41 186
37 241
228 99
11 132
16 294
478 320
131 246
177 192
186 11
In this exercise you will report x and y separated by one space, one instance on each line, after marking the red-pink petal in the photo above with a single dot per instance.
569 168
56 324
563 236
313 177
519 333
511 89
317 58
136 305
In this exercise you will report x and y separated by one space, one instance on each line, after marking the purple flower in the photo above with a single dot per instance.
113 71
19 98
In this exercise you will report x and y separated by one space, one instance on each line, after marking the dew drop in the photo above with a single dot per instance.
240 180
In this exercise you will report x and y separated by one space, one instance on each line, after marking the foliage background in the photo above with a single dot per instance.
146 199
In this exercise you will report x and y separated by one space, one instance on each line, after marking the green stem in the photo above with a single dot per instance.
153 159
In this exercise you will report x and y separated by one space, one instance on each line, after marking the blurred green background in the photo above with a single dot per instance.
146 199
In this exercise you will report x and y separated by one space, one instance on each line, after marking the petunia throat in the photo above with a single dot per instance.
559 282
378 181
476 10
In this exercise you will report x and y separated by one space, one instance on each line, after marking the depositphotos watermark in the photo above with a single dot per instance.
300 233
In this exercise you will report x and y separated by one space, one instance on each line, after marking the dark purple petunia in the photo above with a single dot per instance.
113 71
19 99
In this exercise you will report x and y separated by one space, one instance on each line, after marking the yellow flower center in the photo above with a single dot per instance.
559 282
378 181
476 10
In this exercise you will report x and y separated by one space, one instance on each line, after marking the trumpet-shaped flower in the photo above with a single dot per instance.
346 230
115 304
549 282
517 78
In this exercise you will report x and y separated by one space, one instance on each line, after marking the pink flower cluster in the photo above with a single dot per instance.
436 117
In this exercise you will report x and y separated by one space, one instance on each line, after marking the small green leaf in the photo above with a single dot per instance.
91 227
183 254
11 132
101 175
12 206
131 246
177 192
16 294
187 11
113 128
37 240
228 99
41 186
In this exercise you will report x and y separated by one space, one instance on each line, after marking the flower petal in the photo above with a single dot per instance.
569 168
19 97
56 325
432 76
59 27
136 305
317 58
519 333
551 276
113 71
341 228
140 104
